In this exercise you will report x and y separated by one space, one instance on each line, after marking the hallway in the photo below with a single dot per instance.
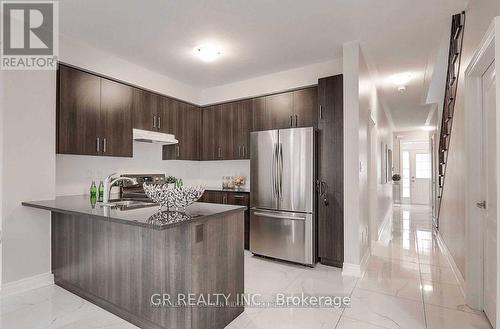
409 282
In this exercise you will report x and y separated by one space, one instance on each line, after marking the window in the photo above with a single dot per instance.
422 165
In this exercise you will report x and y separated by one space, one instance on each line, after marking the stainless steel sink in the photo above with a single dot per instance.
130 204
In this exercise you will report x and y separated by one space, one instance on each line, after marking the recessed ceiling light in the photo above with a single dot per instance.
208 53
401 79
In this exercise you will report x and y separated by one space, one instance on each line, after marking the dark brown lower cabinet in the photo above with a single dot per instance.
234 198
121 267
330 172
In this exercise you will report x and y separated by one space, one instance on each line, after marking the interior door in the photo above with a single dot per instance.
263 169
420 177
489 183
296 169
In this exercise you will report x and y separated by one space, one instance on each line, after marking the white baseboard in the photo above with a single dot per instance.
356 270
449 257
34 282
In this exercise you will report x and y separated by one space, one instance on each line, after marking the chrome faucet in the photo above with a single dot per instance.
108 184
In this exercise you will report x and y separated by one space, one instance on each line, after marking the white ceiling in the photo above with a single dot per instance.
261 37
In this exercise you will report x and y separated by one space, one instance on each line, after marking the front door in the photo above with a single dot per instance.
420 177
489 183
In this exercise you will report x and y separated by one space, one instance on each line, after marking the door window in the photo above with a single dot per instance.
422 166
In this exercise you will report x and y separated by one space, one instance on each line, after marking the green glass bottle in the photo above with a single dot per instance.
101 191
93 194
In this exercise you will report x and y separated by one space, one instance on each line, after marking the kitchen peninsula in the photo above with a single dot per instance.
118 258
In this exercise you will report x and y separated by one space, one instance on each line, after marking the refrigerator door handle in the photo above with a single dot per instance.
280 170
269 215
273 172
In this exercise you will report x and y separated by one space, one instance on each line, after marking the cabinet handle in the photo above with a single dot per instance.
291 120
154 121
239 196
104 144
244 151
239 151
159 122
219 152
321 112
296 120
178 150
98 145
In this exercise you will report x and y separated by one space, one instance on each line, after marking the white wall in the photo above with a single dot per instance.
28 171
2 82
352 165
275 82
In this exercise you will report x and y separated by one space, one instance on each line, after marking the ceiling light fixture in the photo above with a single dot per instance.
401 79
208 53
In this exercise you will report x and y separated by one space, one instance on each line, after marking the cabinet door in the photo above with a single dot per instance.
78 112
243 125
238 199
276 113
145 108
169 110
208 133
171 123
330 173
188 132
116 119
212 197
192 133
224 121
326 99
305 104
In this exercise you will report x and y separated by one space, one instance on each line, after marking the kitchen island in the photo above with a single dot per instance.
129 261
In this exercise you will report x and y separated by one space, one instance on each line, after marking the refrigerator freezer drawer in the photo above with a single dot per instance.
282 235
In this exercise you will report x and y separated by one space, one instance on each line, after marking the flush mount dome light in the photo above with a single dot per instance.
208 53
401 79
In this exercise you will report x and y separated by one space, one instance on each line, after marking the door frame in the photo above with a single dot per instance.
483 58
401 150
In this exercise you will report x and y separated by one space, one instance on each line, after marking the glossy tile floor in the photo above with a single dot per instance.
408 284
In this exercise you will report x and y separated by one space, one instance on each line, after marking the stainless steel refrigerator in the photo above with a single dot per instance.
282 221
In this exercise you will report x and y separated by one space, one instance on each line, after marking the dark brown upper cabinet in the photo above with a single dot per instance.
226 131
242 126
93 115
145 110
184 121
286 110
116 119
305 105
78 109
208 133
273 112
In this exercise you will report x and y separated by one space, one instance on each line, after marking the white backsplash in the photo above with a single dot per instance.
74 173
211 172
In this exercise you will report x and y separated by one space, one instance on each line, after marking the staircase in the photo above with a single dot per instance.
454 58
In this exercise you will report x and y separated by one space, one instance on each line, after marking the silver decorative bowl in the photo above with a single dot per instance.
171 197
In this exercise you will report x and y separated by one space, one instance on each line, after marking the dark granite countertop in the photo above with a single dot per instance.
146 216
220 189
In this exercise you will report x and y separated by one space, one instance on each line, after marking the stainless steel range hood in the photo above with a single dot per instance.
140 135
